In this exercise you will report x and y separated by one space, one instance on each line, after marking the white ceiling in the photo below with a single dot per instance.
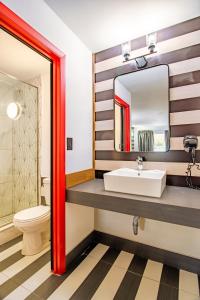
19 60
101 24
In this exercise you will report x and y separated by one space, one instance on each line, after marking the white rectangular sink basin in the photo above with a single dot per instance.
146 182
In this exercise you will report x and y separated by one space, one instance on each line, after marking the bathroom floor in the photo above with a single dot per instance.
100 273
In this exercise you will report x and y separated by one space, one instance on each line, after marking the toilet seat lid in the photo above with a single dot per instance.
32 213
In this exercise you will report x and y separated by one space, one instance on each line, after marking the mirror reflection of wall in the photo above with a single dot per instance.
143 122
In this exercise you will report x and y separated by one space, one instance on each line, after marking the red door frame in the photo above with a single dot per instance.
24 32
126 108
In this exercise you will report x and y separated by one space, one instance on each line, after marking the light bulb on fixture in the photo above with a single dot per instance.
141 61
14 110
151 40
126 50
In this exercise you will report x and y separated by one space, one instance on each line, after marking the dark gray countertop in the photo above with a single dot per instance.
179 205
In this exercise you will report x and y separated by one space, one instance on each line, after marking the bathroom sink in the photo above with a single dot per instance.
145 182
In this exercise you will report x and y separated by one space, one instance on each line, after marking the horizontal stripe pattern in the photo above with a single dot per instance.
101 273
104 115
166 58
163 34
179 47
175 131
187 40
178 156
184 92
185 66
176 143
105 95
172 168
181 79
185 104
104 145
104 105
185 117
104 125
177 118
184 79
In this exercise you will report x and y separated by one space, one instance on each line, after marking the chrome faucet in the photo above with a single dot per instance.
139 161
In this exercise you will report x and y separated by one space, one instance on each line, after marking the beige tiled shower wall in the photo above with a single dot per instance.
18 147
6 179
25 148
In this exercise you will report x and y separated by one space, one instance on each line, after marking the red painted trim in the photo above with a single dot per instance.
126 108
23 31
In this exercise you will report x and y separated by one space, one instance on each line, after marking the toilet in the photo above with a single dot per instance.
34 223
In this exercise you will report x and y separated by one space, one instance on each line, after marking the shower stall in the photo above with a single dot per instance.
19 143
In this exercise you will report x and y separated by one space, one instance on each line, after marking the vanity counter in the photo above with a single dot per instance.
178 205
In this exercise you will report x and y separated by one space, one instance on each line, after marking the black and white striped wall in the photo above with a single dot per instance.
179 47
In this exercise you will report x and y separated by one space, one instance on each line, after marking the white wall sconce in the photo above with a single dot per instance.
126 50
14 110
151 40
141 61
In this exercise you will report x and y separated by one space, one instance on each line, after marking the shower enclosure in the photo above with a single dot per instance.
19 163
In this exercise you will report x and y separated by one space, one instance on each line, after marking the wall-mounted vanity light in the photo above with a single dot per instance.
141 61
126 50
14 110
151 40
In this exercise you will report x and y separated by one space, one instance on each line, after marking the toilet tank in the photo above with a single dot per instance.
46 190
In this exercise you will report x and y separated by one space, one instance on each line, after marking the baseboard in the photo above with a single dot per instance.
79 177
166 257
80 248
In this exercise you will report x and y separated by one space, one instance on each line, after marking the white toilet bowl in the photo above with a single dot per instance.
34 222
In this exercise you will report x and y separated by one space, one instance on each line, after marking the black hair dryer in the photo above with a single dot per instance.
190 143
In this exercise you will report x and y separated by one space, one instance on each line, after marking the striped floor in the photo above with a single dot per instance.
101 273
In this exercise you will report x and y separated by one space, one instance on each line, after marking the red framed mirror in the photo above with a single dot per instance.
12 23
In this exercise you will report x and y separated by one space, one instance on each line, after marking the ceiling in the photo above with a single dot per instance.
20 61
101 24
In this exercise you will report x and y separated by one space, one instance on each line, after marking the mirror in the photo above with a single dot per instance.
142 110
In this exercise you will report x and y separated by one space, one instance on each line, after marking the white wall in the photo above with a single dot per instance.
78 100
45 126
171 237
78 77
79 222
122 92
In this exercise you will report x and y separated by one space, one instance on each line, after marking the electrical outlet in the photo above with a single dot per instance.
69 143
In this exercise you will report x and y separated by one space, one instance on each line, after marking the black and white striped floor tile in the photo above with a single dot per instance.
101 273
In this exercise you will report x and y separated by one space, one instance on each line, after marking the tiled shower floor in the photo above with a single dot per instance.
101 273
